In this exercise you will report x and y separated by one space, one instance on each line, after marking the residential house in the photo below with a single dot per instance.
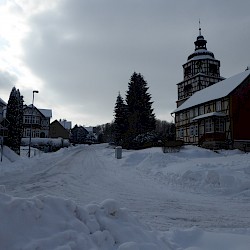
216 115
40 119
78 134
58 130
91 136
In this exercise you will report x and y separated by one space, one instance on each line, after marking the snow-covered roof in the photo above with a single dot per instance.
201 57
201 53
46 112
209 115
216 91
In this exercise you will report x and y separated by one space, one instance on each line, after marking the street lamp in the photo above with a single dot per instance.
32 108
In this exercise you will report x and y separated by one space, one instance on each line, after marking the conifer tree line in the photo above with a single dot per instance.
134 119
14 115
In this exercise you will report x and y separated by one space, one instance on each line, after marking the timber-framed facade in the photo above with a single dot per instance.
212 112
217 116
200 71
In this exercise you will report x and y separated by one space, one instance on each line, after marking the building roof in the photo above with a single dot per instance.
216 91
46 112
57 123
218 114
201 54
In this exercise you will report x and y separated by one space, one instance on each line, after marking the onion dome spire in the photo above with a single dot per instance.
200 43
200 47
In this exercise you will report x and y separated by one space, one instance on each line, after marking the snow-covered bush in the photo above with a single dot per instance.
146 140
46 144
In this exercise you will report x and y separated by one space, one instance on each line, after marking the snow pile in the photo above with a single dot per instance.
197 239
10 155
49 223
226 171
156 187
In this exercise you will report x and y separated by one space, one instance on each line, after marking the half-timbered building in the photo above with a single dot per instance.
212 112
200 71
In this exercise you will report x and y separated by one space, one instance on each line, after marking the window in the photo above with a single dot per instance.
181 133
188 90
187 71
191 113
191 130
44 123
209 125
26 119
213 69
196 130
27 132
219 125
196 112
37 134
207 109
201 110
218 106
36 120
181 116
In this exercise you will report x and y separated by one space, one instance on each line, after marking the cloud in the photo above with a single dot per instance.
7 80
84 52
87 51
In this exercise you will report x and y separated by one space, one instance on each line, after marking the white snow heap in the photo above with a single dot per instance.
168 192
45 222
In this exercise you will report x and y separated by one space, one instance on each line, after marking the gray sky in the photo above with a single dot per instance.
80 53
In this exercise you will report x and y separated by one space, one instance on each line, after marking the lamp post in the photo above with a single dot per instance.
32 108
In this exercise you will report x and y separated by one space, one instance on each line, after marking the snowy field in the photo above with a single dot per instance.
82 198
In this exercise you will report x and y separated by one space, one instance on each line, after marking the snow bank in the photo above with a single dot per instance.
46 222
197 239
51 223
9 154
226 171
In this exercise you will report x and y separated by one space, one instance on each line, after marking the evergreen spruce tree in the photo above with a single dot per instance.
120 121
20 119
140 113
14 114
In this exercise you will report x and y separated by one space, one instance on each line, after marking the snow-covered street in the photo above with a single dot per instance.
193 188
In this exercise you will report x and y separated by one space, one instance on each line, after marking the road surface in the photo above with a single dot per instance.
84 174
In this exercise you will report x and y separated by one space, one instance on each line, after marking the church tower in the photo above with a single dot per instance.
200 71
